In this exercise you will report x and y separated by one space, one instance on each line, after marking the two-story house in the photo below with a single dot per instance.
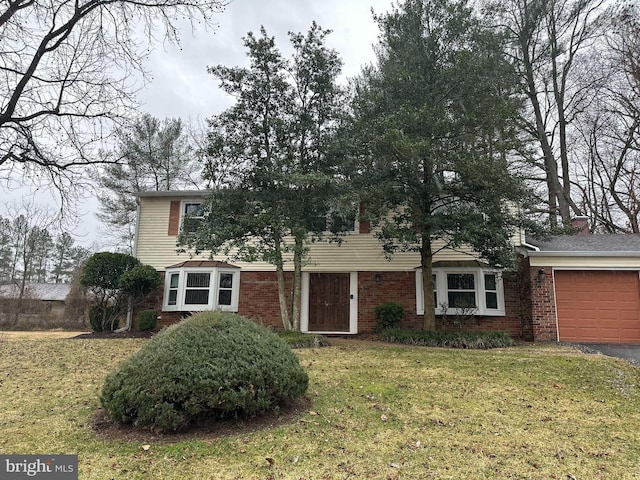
342 284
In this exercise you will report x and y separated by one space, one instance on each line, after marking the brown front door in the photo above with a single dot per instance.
329 301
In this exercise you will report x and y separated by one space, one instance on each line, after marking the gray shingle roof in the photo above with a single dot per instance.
602 243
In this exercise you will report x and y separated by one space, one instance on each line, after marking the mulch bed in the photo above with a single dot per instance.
103 335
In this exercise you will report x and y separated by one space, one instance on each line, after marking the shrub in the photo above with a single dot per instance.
474 340
303 340
212 365
103 317
388 315
139 281
147 320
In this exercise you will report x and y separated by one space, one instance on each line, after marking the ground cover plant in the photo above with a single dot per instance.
375 411
425 338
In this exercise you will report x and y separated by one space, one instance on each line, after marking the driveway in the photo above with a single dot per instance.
626 352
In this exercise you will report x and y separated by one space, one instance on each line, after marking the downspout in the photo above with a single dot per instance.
524 243
135 236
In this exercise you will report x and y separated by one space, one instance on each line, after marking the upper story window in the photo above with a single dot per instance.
192 215
207 286
338 221
461 290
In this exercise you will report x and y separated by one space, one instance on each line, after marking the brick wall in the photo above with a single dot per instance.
259 297
543 305
259 301
398 287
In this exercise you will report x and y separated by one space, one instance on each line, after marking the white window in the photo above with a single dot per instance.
191 215
338 220
463 290
201 288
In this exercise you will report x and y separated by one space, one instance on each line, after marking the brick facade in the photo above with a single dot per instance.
259 297
543 304
259 301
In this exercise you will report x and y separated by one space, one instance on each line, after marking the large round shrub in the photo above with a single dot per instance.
211 365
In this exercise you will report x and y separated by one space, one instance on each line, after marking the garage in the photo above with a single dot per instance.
585 288
598 306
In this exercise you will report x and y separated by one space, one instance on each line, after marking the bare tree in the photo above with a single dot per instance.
548 38
610 129
68 76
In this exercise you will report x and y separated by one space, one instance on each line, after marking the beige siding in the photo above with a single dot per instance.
358 252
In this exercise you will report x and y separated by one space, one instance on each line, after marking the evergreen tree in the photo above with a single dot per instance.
270 155
433 127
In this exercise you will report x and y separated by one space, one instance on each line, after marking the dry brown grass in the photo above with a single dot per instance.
377 411
37 335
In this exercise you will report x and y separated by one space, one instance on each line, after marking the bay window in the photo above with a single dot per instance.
201 288
460 290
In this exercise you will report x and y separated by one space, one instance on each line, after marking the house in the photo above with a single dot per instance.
342 284
41 303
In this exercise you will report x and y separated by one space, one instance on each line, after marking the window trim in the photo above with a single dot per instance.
480 290
183 208
214 288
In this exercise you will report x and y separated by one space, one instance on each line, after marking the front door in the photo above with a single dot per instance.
329 302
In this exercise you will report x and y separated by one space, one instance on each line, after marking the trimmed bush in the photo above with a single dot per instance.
102 318
147 320
303 340
388 315
212 365
474 340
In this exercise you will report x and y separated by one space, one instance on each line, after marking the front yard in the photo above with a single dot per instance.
376 411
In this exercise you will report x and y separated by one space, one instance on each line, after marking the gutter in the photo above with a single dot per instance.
524 243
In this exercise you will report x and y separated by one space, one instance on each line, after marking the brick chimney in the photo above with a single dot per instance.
581 225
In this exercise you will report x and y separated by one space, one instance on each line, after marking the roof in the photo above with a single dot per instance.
172 193
38 291
580 245
202 263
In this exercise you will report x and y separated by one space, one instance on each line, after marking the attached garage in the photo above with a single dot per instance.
586 288
598 306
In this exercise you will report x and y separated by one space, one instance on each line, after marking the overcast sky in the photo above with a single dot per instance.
181 86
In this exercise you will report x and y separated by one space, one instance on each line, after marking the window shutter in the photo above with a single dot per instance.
365 227
174 217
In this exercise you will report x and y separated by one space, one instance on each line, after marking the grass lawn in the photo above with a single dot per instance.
383 412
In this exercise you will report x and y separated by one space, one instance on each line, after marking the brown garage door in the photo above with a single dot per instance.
598 306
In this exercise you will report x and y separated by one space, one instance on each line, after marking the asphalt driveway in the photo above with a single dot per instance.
626 352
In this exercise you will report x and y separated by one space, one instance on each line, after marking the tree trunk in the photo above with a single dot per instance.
282 291
297 282
426 258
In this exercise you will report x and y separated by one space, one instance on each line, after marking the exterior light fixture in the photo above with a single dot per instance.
542 275
378 279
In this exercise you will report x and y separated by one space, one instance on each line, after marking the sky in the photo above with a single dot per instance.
181 87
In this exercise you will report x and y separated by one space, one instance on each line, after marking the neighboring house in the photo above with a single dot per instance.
342 284
49 297
41 304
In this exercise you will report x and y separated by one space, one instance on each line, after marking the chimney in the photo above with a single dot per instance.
580 225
